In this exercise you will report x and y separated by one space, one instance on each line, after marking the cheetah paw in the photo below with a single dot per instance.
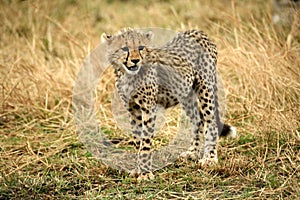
207 161
188 155
135 173
146 176
141 176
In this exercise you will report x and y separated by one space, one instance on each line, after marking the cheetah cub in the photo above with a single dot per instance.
183 71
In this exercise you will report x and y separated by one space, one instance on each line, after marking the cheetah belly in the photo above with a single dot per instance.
166 98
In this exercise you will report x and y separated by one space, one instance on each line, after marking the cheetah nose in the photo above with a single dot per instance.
135 61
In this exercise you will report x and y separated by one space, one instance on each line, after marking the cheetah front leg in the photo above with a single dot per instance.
143 122
135 115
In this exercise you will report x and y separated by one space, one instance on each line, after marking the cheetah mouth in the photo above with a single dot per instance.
133 68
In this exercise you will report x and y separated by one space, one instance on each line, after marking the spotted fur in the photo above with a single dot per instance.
181 72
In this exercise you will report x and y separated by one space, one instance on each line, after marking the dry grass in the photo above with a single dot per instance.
42 47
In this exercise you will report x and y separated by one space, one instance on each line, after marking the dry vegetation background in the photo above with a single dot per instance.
42 45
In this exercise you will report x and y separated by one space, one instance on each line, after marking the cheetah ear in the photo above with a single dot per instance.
105 38
149 35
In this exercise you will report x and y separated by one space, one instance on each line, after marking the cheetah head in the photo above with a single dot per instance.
127 49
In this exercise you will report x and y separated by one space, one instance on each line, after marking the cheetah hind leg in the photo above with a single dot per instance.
190 106
192 153
210 158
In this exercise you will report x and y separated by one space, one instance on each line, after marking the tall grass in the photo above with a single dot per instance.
42 45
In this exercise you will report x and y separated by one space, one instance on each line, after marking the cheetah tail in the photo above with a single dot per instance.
228 131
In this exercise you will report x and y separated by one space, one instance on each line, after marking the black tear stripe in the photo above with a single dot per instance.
141 54
127 59
126 62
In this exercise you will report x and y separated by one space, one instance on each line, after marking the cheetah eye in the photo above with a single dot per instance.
141 48
125 49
